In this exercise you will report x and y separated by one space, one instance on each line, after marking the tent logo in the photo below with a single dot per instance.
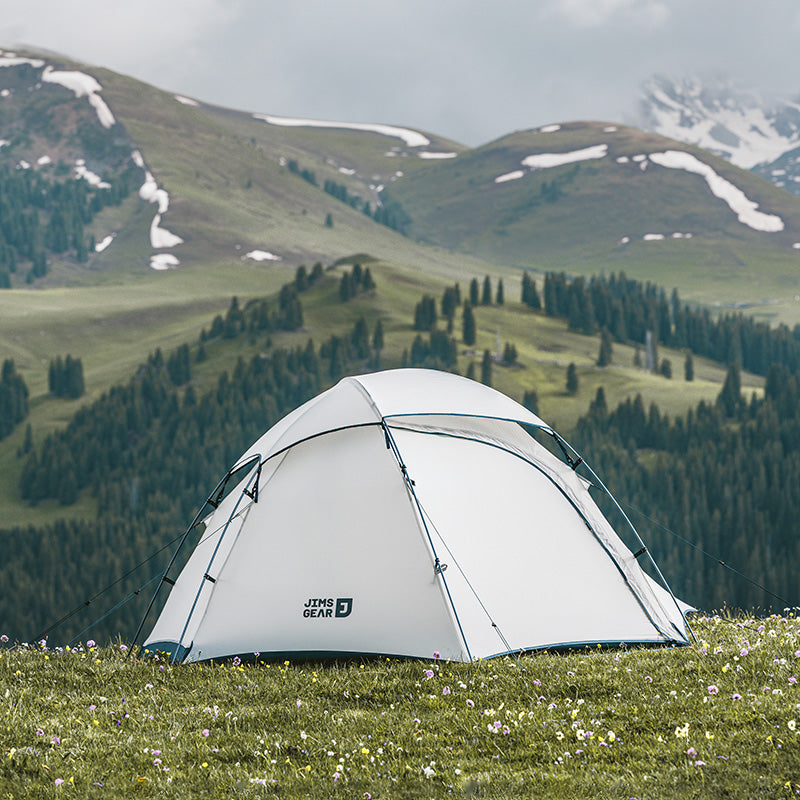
328 607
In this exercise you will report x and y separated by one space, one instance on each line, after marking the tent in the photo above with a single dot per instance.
406 513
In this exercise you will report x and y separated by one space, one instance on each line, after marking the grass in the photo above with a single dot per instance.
717 719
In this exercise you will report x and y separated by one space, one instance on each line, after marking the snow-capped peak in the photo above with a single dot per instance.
738 125
741 126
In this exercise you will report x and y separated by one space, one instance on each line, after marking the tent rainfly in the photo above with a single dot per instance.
404 513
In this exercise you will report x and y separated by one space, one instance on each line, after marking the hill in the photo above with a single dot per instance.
590 197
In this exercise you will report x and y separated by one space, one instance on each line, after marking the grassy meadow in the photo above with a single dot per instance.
717 719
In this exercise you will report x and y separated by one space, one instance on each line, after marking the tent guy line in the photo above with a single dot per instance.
719 561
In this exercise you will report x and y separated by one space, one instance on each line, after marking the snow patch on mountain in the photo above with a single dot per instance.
100 246
548 160
151 192
411 138
261 255
81 171
13 60
740 126
163 261
510 176
745 209
187 101
82 85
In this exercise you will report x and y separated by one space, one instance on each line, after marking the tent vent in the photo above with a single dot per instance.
640 552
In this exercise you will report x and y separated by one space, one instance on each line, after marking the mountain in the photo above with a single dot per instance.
589 196
217 193
740 126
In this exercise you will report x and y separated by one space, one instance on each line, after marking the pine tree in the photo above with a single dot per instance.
509 353
468 330
530 297
486 294
346 289
500 297
473 292
530 399
730 397
606 351
13 398
377 337
688 366
367 281
425 314
486 368
301 278
598 407
572 379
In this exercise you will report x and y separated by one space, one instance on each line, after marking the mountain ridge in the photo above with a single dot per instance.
221 189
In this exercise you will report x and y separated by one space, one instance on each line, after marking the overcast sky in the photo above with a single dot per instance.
470 70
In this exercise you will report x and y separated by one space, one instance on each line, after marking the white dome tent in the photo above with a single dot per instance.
404 513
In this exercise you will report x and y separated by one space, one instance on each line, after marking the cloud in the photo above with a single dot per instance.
465 69
595 13
149 35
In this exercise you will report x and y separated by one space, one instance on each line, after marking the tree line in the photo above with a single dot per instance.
41 217
388 211
13 398
628 308
726 476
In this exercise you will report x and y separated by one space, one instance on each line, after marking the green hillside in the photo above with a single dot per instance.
577 216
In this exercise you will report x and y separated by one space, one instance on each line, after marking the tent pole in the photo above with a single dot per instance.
391 444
